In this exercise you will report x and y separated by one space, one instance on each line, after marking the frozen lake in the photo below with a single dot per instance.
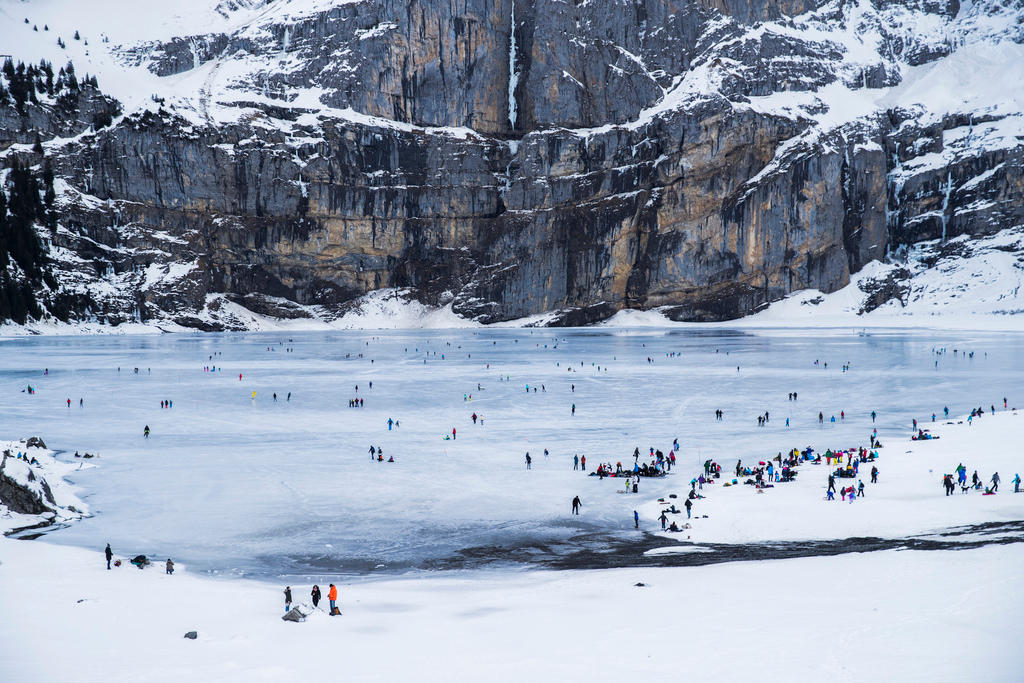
231 484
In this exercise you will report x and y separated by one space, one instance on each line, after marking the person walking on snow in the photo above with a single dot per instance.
688 504
995 482
576 503
528 460
663 519
110 554
287 598
636 519
170 566
1016 483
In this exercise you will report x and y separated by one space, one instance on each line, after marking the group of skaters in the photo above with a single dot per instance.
377 453
977 484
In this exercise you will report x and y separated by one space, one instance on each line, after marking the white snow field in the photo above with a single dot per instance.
231 484
908 499
888 616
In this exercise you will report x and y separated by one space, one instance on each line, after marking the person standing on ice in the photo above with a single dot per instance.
573 408
575 462
453 433
287 598
831 483
145 432
528 460
332 597
583 463
170 566
873 415
663 520
390 423
995 482
1016 483
576 503
110 555
947 482
688 504
636 519
315 595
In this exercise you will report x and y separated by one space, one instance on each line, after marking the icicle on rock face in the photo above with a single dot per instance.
513 71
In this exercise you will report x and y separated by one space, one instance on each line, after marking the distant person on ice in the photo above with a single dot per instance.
170 566
315 595
576 503
110 555
287 598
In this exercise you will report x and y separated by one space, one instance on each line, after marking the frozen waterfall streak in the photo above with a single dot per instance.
513 71
945 204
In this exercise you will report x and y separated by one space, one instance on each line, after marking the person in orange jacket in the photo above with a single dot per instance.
332 595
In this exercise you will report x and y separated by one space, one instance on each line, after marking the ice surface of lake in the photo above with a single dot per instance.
232 484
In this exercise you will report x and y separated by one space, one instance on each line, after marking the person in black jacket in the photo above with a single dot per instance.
287 598
110 554
315 595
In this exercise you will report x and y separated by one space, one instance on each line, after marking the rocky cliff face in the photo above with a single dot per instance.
515 157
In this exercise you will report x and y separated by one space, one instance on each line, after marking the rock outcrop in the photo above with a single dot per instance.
524 156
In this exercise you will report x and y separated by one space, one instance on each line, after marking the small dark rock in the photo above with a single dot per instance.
641 584
191 635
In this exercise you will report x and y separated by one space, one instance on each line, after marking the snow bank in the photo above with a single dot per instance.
908 499
128 624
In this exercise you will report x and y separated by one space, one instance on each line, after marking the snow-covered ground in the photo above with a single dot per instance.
908 499
892 616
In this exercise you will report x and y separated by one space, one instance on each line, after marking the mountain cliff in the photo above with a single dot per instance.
501 158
